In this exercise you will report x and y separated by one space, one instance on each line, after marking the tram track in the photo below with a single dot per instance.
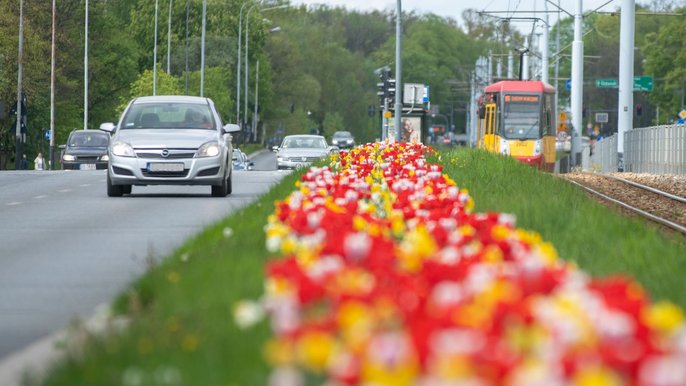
647 200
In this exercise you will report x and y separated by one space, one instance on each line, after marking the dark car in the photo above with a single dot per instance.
343 139
86 150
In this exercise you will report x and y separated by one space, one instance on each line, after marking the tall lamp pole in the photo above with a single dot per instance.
247 29
169 37
238 66
398 73
85 74
154 55
202 49
20 60
52 91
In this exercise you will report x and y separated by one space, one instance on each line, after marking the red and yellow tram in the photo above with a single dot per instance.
517 118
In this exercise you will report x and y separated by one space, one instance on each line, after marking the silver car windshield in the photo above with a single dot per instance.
168 116
304 143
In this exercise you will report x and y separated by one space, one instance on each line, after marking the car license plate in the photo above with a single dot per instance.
165 166
87 167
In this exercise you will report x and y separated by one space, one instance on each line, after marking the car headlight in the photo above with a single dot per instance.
68 157
209 149
122 149
105 158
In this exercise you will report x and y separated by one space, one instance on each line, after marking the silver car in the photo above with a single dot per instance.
169 140
301 150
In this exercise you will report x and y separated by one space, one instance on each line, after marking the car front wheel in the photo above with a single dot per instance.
222 190
114 190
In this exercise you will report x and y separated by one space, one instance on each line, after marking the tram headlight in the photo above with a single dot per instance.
504 147
537 147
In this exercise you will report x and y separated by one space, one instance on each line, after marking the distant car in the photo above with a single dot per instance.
301 150
169 140
86 150
240 161
343 139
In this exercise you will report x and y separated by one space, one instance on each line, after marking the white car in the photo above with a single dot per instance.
169 140
301 150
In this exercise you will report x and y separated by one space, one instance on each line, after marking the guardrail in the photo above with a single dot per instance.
604 157
656 150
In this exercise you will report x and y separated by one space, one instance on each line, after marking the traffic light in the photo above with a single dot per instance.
382 92
639 109
390 92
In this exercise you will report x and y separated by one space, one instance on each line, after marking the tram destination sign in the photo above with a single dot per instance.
641 83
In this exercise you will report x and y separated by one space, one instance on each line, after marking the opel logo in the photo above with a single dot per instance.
165 153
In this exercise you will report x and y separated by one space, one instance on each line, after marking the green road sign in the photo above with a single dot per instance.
641 83
606 83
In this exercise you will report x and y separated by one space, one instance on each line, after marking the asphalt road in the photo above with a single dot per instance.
65 247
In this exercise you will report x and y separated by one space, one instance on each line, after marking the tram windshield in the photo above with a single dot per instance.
521 118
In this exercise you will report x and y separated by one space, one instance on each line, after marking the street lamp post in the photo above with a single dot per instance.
202 49
247 29
238 66
169 37
154 54
20 60
398 72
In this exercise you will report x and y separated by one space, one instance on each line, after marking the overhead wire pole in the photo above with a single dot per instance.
577 81
51 155
247 34
238 66
20 64
154 54
85 74
625 108
202 49
169 37
398 72
186 53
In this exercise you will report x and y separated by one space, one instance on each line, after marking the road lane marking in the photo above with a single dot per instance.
39 197
85 185
64 190
14 203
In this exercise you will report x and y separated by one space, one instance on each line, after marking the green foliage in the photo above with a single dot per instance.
333 122
166 85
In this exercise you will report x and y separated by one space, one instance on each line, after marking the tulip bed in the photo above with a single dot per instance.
388 277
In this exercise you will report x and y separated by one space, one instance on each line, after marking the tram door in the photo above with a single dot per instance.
490 124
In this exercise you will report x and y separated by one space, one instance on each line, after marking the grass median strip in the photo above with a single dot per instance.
182 331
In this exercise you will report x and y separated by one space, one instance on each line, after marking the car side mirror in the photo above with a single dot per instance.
108 127
231 128
275 148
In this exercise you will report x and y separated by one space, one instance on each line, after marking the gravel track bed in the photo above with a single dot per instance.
650 202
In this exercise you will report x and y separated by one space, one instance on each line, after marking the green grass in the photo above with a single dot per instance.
599 239
182 330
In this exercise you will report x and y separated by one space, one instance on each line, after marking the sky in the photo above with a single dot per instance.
454 8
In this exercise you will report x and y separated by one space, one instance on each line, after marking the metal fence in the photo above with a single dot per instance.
604 157
656 150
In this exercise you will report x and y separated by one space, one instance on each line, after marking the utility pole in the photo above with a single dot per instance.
625 107
154 55
202 49
187 11
51 155
20 61
85 74
169 38
398 72
577 81
545 51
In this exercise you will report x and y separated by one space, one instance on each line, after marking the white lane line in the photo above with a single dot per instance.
40 197
84 185
64 190
13 203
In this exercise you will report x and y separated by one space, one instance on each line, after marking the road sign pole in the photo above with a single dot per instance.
625 111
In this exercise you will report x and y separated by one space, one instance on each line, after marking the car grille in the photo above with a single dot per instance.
303 159
87 158
181 174
173 153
